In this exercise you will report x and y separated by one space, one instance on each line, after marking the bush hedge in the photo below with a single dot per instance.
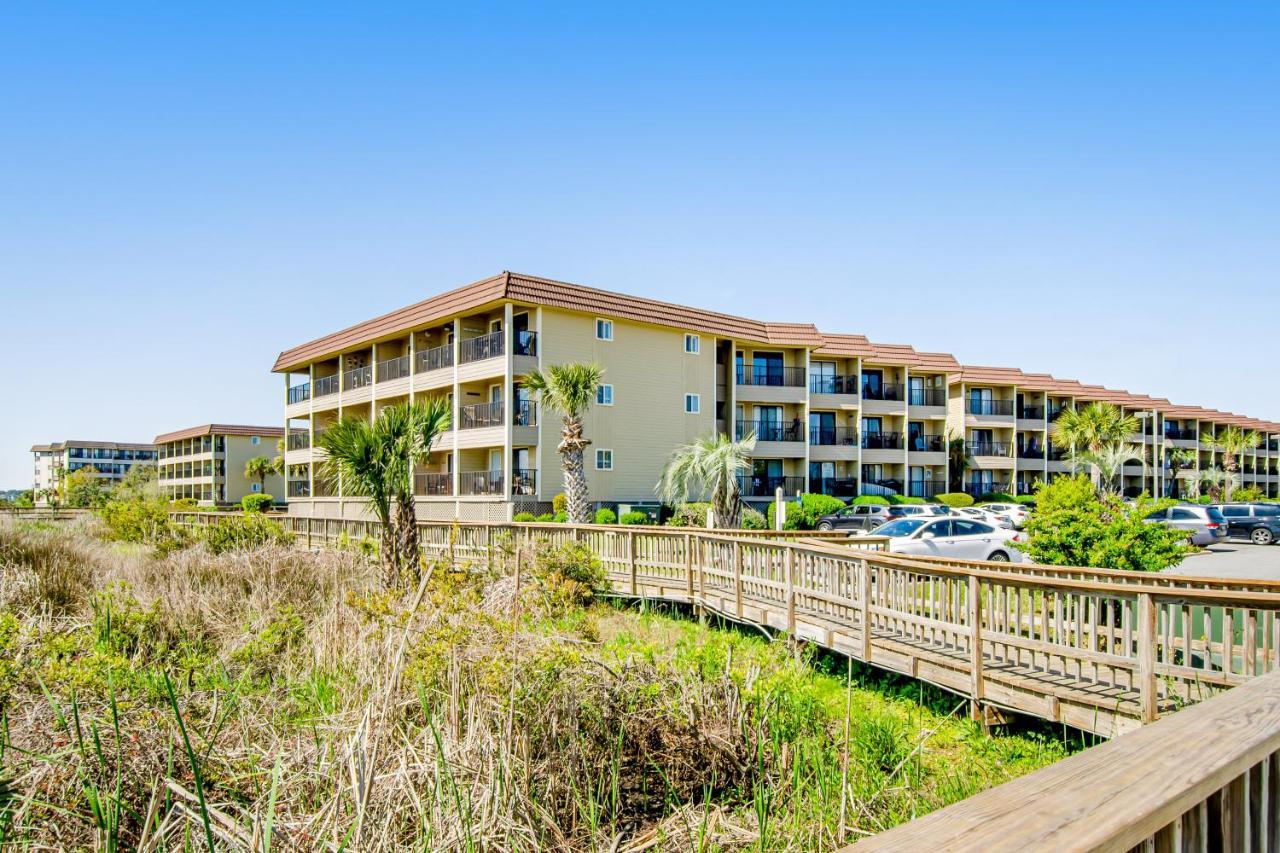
753 519
256 503
604 515
955 499
689 515
524 516
995 498
635 517
805 515
870 500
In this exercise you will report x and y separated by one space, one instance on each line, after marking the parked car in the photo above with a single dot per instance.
1017 513
1259 523
1206 524
956 538
861 517
981 514
910 510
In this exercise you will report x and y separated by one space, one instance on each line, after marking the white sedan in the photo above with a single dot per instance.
1017 513
995 519
955 538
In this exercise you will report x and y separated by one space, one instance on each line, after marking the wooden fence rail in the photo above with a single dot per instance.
1101 651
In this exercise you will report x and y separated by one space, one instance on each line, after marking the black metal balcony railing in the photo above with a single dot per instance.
357 377
299 440
436 358
926 488
921 443
1175 434
987 448
480 483
525 343
1054 414
927 397
882 486
524 481
393 368
836 487
1057 454
770 430
481 348
989 407
833 385
326 385
771 375
1031 413
524 413
753 486
882 441
433 485
1026 487
1030 451
891 392
977 489
479 415
300 393
299 489
842 436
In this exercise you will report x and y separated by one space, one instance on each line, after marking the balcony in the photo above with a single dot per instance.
393 368
882 441
436 358
357 377
769 431
926 488
525 414
326 385
978 488
827 436
921 443
299 489
882 486
481 348
927 397
300 393
847 385
890 392
480 483
989 408
1030 452
1057 454
433 485
299 440
1031 413
770 376
524 482
836 487
480 415
525 343
987 448
755 486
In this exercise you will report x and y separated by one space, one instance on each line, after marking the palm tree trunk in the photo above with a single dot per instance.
389 555
575 474
407 536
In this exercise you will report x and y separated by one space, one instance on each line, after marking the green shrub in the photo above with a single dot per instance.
546 517
1074 525
524 516
995 498
560 504
753 519
239 532
256 503
870 500
1248 494
561 517
141 521
955 499
184 504
689 515
570 573
635 517
805 515
1025 499
604 515
906 499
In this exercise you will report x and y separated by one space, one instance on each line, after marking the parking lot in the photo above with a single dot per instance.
1234 560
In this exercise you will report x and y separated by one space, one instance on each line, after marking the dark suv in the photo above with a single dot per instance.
1259 523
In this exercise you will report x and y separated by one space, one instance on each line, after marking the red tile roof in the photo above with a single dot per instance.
219 429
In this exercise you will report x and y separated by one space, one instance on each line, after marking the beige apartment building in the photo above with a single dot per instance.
206 463
834 413
110 461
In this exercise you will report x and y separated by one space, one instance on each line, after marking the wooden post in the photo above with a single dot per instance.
737 579
789 562
865 581
688 566
1147 656
975 646
631 560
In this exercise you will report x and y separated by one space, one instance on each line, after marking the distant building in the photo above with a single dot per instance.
111 460
206 463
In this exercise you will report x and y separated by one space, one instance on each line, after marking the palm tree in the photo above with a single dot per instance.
1215 481
712 464
958 461
260 468
1179 459
1109 462
1091 429
376 461
1231 442
570 389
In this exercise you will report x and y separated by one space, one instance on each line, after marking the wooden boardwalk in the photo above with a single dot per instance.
1101 651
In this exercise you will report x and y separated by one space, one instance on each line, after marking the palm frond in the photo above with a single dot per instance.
569 389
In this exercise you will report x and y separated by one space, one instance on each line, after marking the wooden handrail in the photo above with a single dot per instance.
1205 778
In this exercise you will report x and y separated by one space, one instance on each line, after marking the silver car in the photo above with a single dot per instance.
1205 523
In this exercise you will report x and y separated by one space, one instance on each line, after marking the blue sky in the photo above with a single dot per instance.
1083 189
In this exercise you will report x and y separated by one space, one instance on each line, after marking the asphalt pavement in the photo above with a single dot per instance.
1233 559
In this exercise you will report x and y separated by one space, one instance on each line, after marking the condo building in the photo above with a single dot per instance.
832 413
110 461
206 463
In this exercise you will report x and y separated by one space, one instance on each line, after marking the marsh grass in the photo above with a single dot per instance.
279 699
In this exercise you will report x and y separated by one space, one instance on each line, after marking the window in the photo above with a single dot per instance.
604 330
937 530
604 395
692 344
1179 514
692 404
257 487
255 440
1235 511
971 528
604 460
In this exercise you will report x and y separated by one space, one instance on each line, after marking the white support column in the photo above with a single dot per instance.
508 406
857 463
804 418
457 402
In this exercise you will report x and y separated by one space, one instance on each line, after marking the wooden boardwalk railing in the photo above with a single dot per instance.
1204 779
1101 651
